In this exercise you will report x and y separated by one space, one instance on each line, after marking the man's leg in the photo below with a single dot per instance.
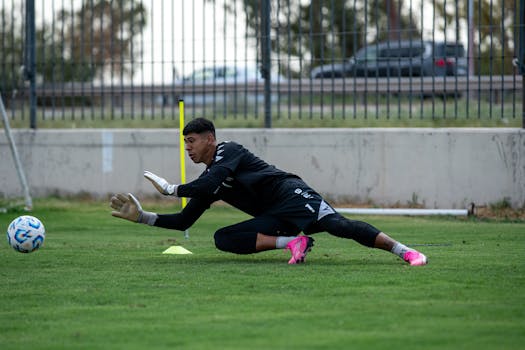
247 237
368 235
255 235
385 242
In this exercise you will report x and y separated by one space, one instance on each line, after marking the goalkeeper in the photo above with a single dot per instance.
282 204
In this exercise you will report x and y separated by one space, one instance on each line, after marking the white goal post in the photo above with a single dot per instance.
18 163
402 211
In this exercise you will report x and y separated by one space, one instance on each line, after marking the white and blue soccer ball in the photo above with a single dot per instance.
26 234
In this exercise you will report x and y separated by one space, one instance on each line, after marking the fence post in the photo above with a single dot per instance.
29 60
470 38
521 60
266 46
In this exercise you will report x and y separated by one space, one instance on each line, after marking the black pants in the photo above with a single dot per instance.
241 238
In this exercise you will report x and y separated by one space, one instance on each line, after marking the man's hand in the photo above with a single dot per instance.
126 207
161 184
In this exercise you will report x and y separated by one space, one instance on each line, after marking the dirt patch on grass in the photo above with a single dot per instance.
488 212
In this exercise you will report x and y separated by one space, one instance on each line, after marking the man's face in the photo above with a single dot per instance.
200 147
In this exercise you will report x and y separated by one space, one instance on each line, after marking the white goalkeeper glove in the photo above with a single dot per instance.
161 184
128 207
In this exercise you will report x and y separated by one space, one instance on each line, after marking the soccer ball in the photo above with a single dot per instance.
26 234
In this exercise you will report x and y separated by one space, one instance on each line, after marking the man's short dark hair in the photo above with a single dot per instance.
198 126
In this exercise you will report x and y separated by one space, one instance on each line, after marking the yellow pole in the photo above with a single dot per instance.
182 157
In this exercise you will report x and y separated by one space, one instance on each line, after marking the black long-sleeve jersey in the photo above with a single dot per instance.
237 177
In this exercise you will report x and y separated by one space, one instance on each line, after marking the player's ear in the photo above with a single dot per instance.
210 138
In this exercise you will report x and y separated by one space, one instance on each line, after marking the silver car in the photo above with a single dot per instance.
224 84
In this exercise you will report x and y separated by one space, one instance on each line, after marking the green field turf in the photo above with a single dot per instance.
102 283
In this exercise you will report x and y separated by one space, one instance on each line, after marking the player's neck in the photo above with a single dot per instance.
210 154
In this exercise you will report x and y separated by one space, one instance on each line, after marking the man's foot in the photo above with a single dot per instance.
299 247
415 258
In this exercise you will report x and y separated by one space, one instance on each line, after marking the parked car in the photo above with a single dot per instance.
226 74
400 59
235 76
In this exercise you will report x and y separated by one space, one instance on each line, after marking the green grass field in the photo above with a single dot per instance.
102 283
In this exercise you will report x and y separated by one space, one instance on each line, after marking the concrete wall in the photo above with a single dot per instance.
439 168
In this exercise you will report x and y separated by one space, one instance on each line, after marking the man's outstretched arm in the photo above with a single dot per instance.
128 207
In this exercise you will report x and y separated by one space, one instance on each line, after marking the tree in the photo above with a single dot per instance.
495 25
92 42
11 59
318 32
80 45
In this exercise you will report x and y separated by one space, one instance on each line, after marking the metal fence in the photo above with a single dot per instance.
263 63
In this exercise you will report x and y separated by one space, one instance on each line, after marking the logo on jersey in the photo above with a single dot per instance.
218 157
303 193
324 209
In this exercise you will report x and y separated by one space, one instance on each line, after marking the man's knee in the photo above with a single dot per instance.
235 242
221 241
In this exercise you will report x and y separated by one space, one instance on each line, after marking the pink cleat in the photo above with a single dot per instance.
415 258
299 247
